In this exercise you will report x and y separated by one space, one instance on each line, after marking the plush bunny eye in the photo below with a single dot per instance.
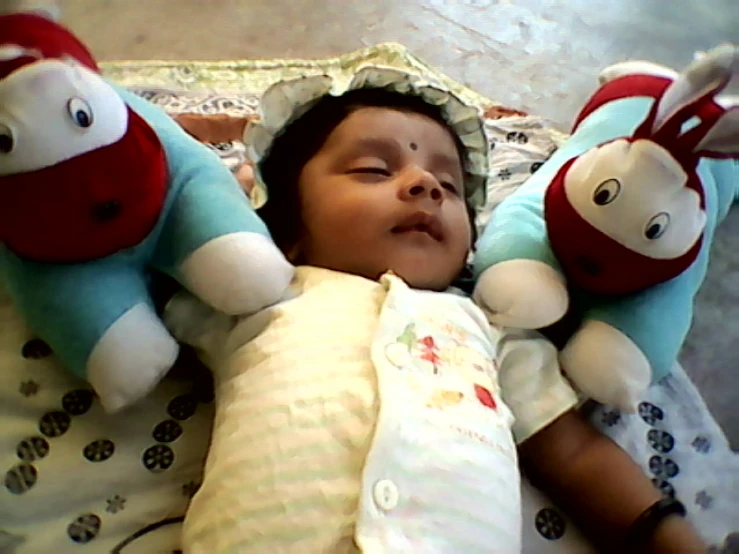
80 112
657 226
607 192
6 139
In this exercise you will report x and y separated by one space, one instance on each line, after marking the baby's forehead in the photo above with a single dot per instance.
408 128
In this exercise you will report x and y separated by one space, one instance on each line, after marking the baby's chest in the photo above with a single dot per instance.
437 366
421 356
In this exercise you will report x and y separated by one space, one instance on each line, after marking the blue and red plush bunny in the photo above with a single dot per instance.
618 224
97 189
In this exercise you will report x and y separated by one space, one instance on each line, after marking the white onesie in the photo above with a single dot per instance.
363 416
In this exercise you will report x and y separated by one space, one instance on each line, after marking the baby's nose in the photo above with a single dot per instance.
422 185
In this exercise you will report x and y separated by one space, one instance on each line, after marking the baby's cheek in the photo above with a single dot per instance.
461 228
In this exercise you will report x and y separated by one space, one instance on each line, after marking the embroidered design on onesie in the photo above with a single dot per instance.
434 347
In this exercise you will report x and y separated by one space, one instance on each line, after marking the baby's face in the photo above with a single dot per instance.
386 192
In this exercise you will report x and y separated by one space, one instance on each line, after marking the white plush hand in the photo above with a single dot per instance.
525 294
606 366
131 358
237 274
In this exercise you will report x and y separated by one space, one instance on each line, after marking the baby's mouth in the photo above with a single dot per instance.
421 222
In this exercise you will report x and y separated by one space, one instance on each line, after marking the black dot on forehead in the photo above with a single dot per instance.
413 146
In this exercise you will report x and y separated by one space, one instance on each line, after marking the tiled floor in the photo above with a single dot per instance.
539 55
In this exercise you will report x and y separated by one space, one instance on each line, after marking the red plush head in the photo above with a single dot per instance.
595 262
27 37
630 213
81 175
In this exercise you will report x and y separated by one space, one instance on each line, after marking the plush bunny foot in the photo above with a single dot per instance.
237 274
606 366
131 358
526 294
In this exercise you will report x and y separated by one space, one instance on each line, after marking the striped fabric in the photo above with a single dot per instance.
291 434
306 458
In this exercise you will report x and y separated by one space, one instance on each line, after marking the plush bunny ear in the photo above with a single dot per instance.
13 51
706 76
637 67
46 8
728 101
722 138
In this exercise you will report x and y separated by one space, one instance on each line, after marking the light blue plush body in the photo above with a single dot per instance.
657 319
72 305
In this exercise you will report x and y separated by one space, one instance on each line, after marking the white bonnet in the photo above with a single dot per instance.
286 101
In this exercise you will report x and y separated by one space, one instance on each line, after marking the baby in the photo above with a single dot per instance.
375 410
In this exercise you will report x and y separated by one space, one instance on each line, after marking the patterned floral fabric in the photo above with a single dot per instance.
75 478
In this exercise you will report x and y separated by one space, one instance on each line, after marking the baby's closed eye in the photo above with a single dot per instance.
370 174
449 185
371 170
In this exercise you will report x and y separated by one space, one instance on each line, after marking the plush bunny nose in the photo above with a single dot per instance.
106 211
589 266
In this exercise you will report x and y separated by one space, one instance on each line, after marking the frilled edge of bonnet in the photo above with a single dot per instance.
286 101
